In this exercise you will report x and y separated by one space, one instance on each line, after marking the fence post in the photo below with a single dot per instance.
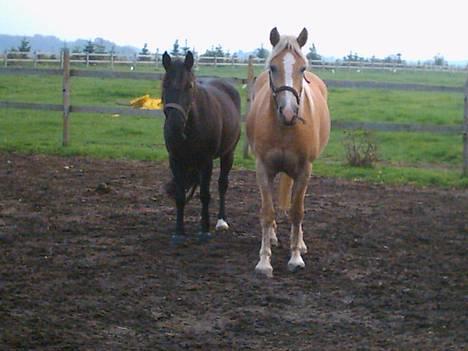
5 58
156 58
66 95
465 132
250 81
87 59
112 59
35 59
197 59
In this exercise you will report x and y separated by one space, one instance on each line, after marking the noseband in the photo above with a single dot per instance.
183 112
178 108
276 90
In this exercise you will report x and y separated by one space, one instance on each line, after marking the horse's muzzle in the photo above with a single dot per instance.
289 117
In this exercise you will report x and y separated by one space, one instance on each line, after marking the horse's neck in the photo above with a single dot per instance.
198 96
307 99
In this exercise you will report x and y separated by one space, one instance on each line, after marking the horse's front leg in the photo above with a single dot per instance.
179 178
296 216
267 218
205 179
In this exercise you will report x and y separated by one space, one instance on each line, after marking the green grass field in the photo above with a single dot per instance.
423 159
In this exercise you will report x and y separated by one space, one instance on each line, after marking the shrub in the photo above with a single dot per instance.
360 148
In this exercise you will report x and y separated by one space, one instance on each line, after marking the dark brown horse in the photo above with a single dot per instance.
202 124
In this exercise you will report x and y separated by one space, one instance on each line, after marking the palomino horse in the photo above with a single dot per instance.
202 123
288 126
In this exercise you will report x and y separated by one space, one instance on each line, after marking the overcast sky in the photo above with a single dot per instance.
416 29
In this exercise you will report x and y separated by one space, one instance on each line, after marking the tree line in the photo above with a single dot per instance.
98 47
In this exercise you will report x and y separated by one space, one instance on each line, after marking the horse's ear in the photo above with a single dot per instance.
188 60
274 37
302 38
166 61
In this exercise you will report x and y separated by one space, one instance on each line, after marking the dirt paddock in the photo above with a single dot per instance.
85 264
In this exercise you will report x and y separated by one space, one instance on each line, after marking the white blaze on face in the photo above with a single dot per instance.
288 61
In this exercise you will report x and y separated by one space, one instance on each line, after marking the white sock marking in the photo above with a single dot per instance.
222 225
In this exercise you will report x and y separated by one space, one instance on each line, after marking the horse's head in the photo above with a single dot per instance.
286 66
177 92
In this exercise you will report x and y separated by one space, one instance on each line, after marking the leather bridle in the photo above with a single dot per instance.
276 90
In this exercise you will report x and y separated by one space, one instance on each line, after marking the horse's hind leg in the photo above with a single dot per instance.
267 218
223 183
296 215
205 178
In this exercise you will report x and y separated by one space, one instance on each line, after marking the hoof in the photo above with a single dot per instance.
222 225
264 270
204 237
295 269
296 264
178 240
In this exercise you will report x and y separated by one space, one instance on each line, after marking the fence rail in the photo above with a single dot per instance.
68 108
129 111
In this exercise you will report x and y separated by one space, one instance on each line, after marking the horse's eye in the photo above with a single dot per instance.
273 68
303 69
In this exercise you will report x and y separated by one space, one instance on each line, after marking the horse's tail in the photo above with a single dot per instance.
191 185
284 192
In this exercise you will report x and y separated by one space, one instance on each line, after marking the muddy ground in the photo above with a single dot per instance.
85 264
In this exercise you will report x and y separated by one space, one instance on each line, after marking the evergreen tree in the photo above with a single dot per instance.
89 48
175 48
24 46
261 52
399 58
312 55
185 48
145 50
439 60
209 52
219 52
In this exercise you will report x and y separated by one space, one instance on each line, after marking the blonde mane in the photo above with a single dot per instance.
288 42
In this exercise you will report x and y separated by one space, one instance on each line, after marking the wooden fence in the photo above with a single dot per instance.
67 107
36 58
